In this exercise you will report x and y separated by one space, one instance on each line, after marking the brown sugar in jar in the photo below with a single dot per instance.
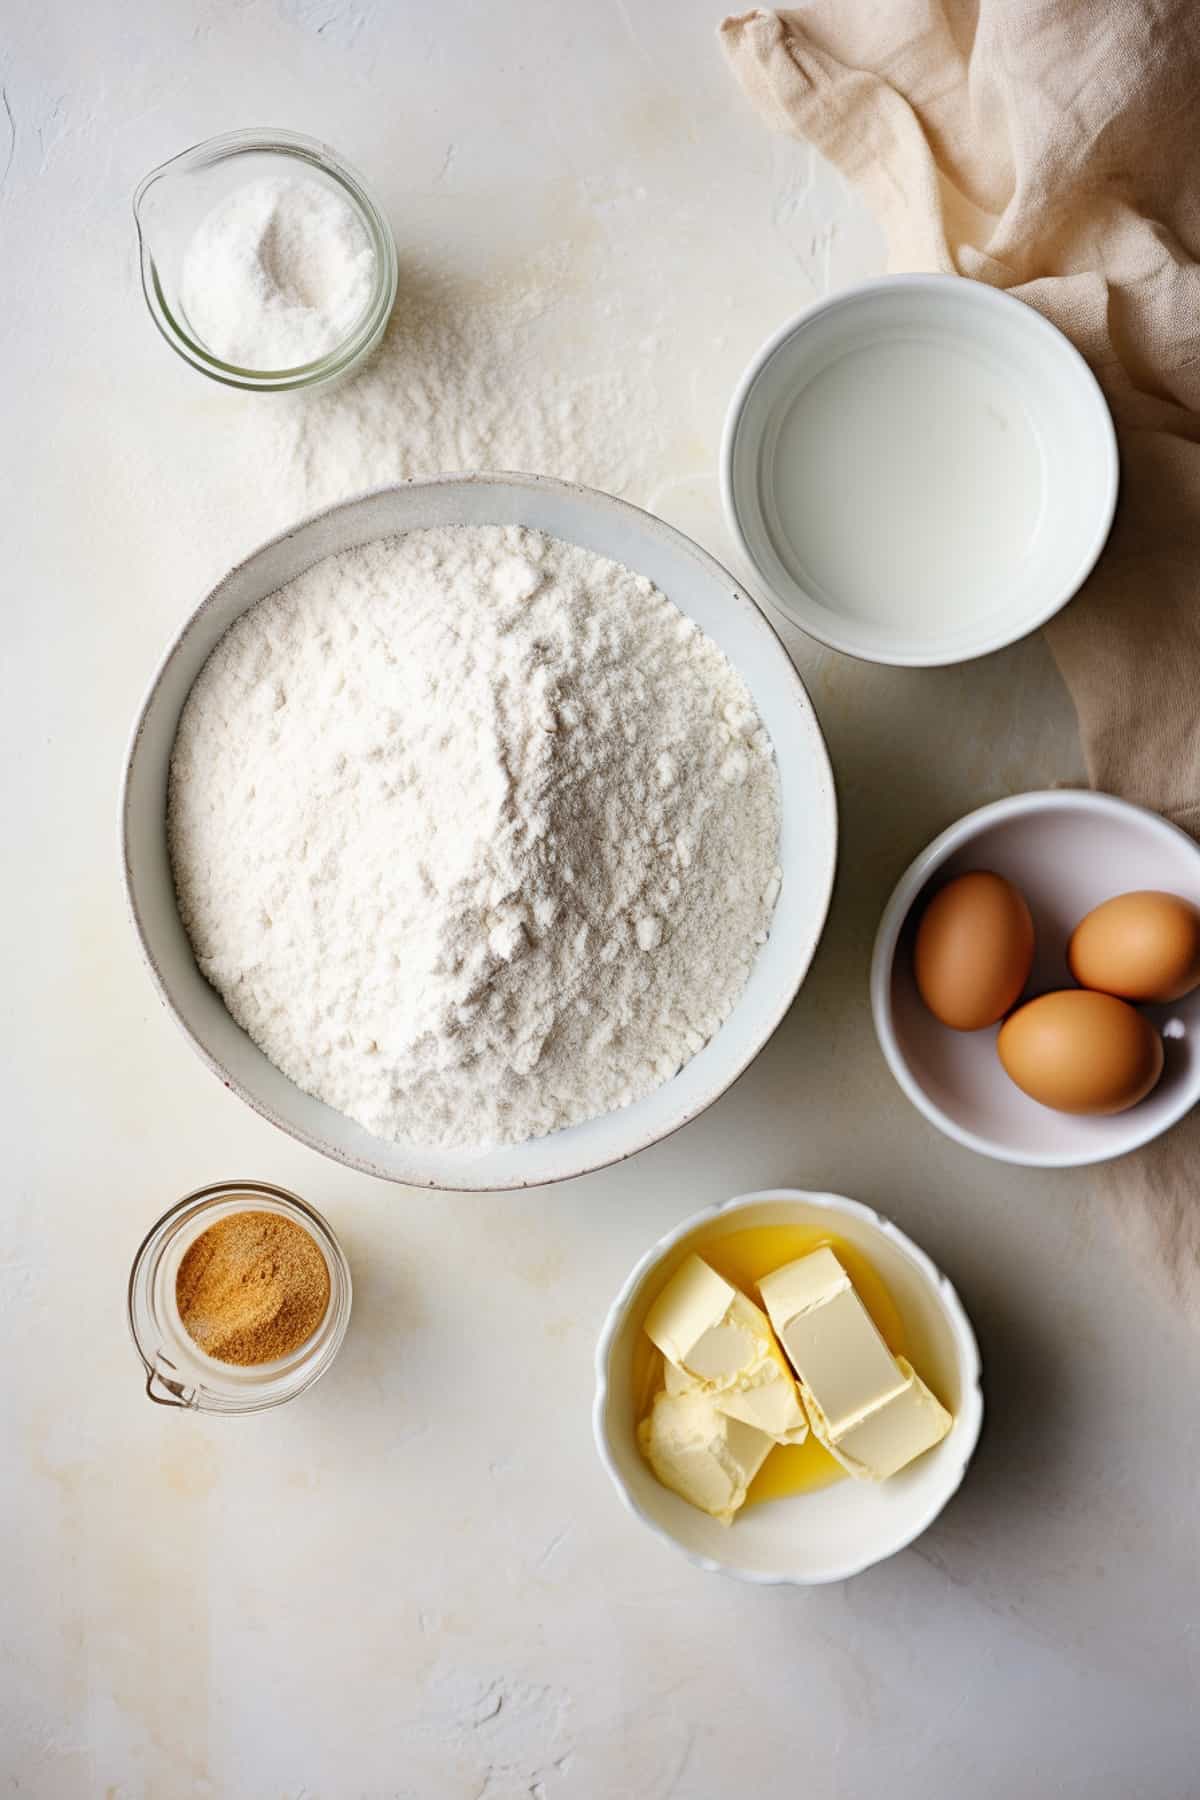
252 1288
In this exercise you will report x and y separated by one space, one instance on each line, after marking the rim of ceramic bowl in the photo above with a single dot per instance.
973 293
368 328
787 992
887 936
969 1416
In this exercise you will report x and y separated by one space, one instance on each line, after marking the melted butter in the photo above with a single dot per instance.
744 1257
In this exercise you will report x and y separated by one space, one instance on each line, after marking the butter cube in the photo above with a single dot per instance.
884 1440
700 1453
710 1331
678 1381
870 1409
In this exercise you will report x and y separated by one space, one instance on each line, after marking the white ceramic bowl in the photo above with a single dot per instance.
921 469
835 1531
700 588
1066 851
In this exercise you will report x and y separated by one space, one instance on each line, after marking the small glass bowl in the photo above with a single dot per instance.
172 200
178 1372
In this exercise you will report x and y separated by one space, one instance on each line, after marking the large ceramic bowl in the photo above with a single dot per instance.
701 589
1067 851
836 1531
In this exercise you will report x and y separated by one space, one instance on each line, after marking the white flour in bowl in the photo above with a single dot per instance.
474 832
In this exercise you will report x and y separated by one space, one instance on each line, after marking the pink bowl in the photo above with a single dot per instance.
1067 851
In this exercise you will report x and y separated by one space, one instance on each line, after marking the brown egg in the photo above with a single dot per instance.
1081 1052
973 951
1143 946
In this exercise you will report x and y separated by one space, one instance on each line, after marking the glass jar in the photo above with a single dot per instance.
178 1371
171 202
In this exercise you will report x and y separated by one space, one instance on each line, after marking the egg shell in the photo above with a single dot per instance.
1140 946
974 950
1081 1052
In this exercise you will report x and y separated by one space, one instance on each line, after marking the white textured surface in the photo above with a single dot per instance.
417 1581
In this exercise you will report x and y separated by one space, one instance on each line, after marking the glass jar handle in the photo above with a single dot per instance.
163 1391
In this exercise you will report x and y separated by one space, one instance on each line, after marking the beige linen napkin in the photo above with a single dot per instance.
1054 150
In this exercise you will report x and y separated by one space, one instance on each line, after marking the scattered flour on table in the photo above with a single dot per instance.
277 274
503 376
474 832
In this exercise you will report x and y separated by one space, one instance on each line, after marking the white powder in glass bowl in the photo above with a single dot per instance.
277 275
474 832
